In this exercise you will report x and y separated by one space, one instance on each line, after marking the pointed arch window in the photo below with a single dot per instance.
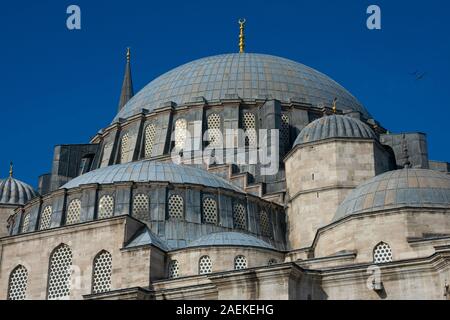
102 271
60 269
382 253
18 283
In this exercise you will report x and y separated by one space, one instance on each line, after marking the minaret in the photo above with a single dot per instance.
127 87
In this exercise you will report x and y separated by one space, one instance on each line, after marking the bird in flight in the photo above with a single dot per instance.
418 75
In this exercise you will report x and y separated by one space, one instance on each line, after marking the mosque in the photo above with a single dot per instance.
353 211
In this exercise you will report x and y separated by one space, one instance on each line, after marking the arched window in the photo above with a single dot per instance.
73 212
101 275
272 261
46 218
176 206
214 133
240 262
124 148
174 269
382 253
150 133
239 216
209 210
140 207
180 133
59 278
264 224
26 223
204 265
249 125
105 207
284 130
18 283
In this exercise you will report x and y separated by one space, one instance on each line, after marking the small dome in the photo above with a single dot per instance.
246 75
151 171
230 239
15 192
335 126
419 188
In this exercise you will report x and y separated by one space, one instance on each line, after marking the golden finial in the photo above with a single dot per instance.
128 54
241 36
334 104
11 169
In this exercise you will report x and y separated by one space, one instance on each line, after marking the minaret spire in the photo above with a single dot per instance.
11 169
127 87
241 36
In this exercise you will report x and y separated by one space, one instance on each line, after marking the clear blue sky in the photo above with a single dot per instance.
61 87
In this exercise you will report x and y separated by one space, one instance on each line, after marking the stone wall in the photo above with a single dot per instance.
320 175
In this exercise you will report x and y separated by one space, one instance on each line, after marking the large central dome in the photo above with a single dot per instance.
247 75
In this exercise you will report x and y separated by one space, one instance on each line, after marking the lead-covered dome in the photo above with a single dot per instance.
15 192
334 126
247 75
151 171
418 188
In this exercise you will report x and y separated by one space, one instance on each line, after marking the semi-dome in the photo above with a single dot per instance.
418 188
247 75
334 126
15 192
229 239
151 171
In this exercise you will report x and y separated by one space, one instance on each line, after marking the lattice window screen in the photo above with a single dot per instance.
382 253
239 216
284 131
73 212
209 210
124 148
214 132
105 207
46 218
59 279
204 265
150 134
272 262
265 224
249 125
18 283
26 223
240 262
174 269
176 207
180 133
141 207
101 281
